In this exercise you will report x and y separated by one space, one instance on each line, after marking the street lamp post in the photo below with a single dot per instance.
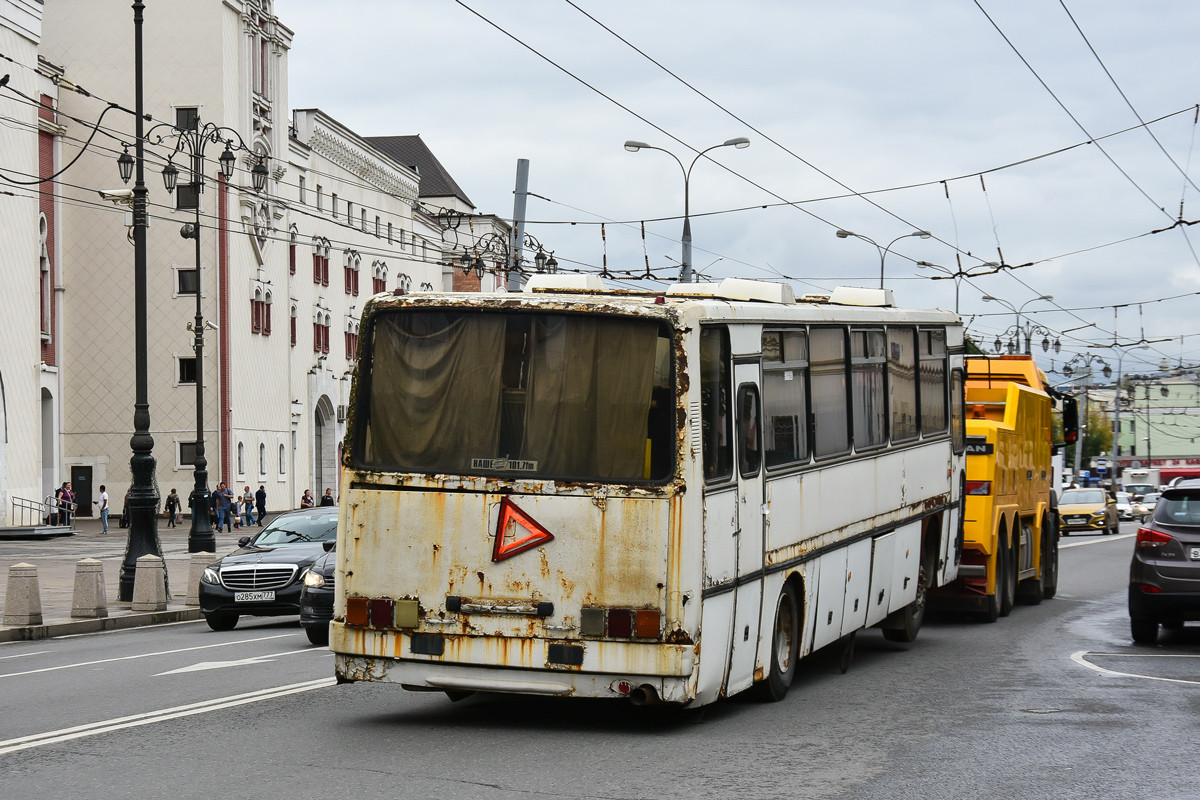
1084 363
143 497
842 233
957 275
1116 435
193 142
741 143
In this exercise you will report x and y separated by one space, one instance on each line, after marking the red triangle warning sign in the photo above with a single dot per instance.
517 532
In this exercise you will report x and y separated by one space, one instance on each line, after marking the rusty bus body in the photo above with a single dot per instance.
738 549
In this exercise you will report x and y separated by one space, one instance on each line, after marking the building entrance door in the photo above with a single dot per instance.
81 484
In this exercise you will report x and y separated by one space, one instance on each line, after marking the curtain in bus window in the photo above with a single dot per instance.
828 370
870 402
902 372
435 390
933 381
715 396
590 382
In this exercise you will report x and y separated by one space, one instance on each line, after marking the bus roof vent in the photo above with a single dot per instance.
737 289
857 296
564 283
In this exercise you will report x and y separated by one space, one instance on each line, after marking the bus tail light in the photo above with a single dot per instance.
356 611
646 626
979 488
1150 539
621 623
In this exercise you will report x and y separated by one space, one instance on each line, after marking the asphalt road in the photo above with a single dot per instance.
1053 701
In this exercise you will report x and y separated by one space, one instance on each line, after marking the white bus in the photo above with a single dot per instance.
583 492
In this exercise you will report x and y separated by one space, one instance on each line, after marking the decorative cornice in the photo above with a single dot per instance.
362 164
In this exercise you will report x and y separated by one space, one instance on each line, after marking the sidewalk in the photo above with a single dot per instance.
55 560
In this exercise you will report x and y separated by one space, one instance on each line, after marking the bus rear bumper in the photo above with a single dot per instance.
454 679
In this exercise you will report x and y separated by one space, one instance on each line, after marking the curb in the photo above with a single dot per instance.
50 630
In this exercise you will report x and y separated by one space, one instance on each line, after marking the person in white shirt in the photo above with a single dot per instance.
103 503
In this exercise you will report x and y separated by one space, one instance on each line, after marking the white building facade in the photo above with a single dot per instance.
30 258
284 273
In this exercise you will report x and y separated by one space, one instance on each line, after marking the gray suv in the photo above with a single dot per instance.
1164 578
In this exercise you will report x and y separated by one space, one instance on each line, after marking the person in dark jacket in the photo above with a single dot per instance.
327 498
260 503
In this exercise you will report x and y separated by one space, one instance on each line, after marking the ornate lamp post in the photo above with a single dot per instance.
495 247
143 497
741 143
1014 332
883 251
192 143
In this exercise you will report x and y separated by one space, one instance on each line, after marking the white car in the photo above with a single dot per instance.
1128 508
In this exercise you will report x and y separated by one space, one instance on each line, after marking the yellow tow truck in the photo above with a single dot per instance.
1010 533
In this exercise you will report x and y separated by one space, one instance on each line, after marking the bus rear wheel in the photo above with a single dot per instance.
785 647
912 617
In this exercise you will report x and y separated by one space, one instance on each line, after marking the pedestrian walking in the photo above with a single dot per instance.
327 498
125 509
260 500
68 500
247 507
224 497
172 508
103 504
307 500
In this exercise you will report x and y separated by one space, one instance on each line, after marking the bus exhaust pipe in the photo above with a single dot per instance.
644 695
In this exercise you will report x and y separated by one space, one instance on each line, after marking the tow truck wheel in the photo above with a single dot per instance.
785 647
1031 590
1008 590
992 612
1050 549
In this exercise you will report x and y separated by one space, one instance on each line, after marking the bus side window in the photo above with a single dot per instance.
827 369
933 381
716 390
749 435
958 410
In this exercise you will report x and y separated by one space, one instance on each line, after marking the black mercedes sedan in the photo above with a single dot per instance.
264 576
316 598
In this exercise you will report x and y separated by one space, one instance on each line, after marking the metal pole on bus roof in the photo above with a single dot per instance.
520 194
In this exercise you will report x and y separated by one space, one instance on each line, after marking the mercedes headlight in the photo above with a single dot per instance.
211 576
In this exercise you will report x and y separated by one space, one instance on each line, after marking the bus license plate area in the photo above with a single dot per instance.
254 597
1195 554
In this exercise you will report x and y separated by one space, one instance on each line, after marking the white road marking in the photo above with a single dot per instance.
205 665
1101 540
120 723
144 655
23 655
1078 658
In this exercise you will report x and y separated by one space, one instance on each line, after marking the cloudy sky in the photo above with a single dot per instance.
904 102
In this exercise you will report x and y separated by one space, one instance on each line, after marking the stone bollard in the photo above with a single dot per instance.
22 599
196 571
91 598
150 584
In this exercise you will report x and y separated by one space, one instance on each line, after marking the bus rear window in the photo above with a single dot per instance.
520 395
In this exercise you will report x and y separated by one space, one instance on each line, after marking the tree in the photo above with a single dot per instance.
1097 436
